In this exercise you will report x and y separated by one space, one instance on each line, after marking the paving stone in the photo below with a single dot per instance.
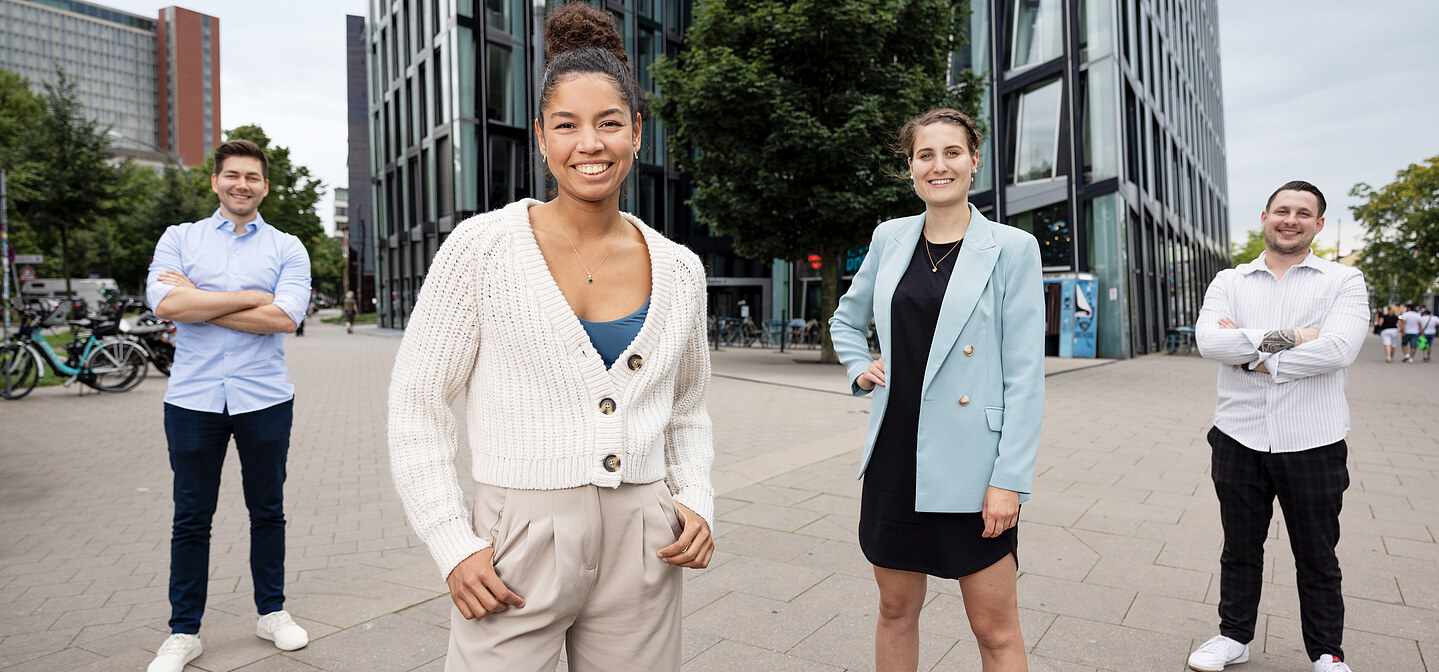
773 517
762 578
734 656
1111 646
758 542
387 644
847 641
1084 600
770 624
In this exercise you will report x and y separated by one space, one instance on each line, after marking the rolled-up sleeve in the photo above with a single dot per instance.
292 290
167 258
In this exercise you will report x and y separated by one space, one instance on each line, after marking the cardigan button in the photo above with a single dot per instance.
636 362
607 406
612 463
963 400
968 351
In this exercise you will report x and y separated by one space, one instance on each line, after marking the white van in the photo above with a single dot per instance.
90 289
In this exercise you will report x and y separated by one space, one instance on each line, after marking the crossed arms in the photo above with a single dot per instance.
1290 353
251 311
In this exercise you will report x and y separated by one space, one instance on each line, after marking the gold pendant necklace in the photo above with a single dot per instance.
934 265
588 273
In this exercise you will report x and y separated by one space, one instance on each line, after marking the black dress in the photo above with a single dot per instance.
892 534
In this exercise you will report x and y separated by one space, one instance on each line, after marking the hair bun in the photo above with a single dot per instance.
577 25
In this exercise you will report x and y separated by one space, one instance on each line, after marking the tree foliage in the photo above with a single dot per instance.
786 114
1401 239
1253 245
73 184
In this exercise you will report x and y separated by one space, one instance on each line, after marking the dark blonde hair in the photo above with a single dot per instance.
940 115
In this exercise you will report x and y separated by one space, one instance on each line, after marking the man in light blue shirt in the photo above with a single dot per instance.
235 286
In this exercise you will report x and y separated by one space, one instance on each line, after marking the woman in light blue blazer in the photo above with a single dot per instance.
958 303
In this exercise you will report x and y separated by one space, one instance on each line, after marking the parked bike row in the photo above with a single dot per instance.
109 351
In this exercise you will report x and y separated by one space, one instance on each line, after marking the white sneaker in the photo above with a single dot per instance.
179 649
1214 654
278 627
1328 663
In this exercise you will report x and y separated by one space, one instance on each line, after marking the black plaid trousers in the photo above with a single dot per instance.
1310 487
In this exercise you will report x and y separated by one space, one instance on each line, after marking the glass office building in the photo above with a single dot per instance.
1106 141
154 81
453 86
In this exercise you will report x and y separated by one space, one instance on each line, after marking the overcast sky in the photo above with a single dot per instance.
1330 91
1334 92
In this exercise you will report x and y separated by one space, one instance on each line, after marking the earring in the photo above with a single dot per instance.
637 155
544 159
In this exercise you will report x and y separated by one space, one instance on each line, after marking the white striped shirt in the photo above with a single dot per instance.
1299 404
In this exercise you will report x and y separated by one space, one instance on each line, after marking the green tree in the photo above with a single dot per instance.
1401 239
22 114
74 185
786 115
1243 253
327 266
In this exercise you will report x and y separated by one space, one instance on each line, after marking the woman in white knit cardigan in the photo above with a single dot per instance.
578 335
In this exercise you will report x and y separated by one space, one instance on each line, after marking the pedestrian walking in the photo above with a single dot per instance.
352 308
1388 328
1287 326
1429 324
234 286
958 305
1412 326
578 333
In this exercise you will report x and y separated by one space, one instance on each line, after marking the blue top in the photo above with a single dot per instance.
611 338
217 368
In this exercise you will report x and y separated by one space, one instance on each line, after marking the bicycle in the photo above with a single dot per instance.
103 360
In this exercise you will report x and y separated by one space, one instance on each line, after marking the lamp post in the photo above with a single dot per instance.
179 166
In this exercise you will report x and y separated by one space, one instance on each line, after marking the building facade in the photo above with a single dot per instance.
154 81
360 248
453 86
1106 141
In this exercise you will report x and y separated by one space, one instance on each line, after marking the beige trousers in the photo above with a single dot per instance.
584 561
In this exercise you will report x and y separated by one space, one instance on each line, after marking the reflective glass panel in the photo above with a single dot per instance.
1101 124
1037 32
1036 137
1096 18
1050 225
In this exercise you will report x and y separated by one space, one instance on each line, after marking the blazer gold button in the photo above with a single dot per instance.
636 362
963 400
607 406
612 463
968 350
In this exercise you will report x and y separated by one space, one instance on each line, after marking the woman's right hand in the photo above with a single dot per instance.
872 376
477 590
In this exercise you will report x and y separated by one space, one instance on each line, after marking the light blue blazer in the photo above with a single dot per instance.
983 391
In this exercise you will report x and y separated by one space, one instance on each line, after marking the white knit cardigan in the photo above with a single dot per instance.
491 320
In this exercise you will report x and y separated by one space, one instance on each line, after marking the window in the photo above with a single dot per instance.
1035 134
1095 35
1101 123
1037 33
1050 225
504 97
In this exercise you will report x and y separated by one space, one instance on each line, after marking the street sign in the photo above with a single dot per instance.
26 274
29 259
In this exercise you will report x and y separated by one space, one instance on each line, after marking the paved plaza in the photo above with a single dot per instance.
1119 545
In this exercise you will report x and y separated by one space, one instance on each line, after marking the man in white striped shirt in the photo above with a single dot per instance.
1286 326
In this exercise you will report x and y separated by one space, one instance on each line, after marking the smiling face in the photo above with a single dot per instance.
589 138
241 185
942 164
1290 223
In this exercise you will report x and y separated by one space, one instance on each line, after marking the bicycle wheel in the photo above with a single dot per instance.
116 366
18 371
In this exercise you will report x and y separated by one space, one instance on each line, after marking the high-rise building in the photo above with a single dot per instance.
453 87
1106 141
154 81
360 270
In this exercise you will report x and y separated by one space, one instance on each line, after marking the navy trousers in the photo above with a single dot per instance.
1309 485
198 441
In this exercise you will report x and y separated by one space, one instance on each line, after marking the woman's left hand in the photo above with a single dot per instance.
1001 511
695 546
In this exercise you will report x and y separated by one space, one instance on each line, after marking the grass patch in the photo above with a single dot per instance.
362 318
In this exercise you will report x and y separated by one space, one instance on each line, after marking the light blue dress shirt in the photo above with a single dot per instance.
217 368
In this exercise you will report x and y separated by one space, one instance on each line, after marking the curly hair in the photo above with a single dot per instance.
580 40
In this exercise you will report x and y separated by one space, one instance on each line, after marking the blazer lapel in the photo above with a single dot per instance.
971 274
897 253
